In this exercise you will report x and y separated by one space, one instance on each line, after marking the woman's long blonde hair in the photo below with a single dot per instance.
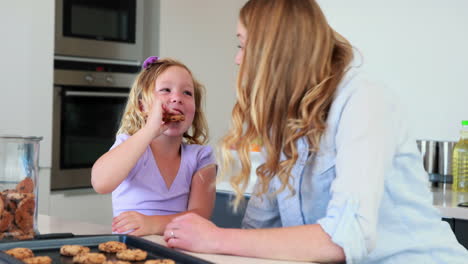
293 62
134 118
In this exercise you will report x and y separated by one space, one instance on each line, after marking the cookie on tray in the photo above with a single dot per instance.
160 261
112 246
117 262
132 255
20 253
89 258
73 250
38 260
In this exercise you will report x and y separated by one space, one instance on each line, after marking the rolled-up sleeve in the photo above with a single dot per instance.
365 144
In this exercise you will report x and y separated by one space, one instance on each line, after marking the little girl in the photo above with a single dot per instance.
158 168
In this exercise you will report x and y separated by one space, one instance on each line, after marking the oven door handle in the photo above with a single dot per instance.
95 94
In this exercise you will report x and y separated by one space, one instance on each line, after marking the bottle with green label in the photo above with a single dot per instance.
460 161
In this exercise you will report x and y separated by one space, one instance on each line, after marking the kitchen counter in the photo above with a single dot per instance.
447 202
443 199
50 224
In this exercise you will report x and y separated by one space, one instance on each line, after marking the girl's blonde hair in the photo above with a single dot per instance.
134 118
293 62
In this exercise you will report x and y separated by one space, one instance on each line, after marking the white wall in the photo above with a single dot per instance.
202 34
26 65
419 49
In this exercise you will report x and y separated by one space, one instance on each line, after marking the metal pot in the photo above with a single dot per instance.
19 159
428 150
445 160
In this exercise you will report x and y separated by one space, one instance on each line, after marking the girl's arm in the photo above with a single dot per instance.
301 243
115 165
201 202
203 192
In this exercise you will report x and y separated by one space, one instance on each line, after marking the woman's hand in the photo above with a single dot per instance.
194 233
138 224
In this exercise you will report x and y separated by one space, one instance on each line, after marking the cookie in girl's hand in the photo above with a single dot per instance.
173 118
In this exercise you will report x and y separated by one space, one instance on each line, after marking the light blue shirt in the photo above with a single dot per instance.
366 186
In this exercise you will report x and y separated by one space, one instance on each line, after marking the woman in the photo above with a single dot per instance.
342 181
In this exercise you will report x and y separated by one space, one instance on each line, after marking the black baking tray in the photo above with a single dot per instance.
49 245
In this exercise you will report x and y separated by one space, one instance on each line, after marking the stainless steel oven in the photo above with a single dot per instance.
99 29
89 99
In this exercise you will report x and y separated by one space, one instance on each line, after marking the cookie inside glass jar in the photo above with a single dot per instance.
19 169
18 211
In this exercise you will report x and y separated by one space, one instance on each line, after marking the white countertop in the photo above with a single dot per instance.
50 224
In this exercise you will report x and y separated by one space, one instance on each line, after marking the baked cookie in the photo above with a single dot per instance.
160 261
73 250
21 235
11 205
6 218
117 262
17 197
20 253
132 255
2 203
89 258
112 246
38 260
173 118
24 214
25 186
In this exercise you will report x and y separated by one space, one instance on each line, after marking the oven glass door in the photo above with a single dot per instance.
100 19
89 121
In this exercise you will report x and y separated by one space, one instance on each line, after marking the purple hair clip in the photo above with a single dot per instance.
149 61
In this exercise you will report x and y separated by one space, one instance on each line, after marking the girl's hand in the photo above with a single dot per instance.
155 122
138 224
194 233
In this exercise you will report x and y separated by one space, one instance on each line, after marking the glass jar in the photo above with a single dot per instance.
19 157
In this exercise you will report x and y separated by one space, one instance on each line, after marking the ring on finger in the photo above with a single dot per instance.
172 234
